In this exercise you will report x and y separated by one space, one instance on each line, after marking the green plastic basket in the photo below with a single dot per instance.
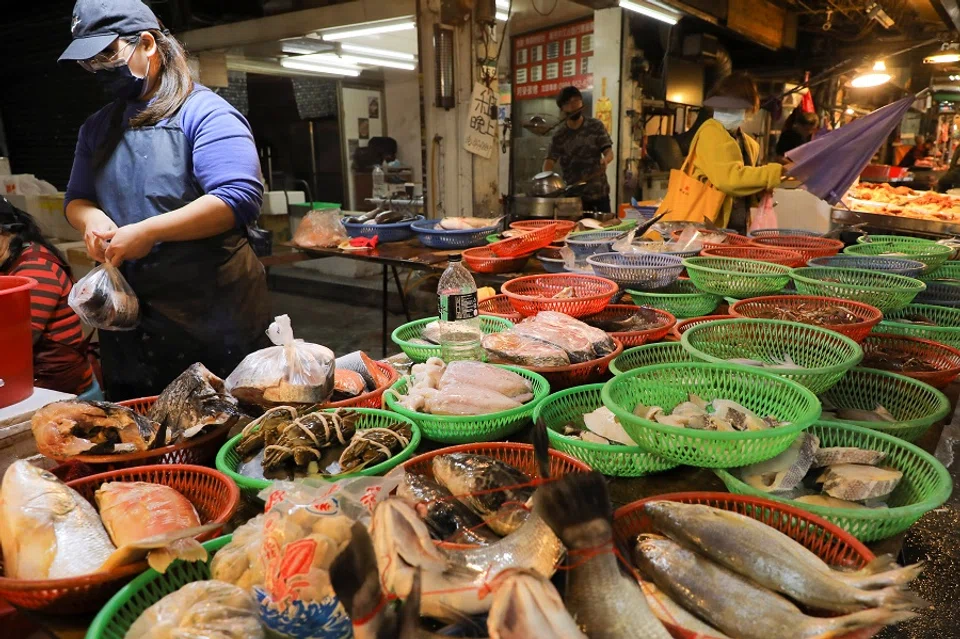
925 485
650 355
228 460
950 270
885 291
682 299
452 429
915 405
667 385
825 355
735 277
421 352
930 253
948 320
569 407
898 239
125 607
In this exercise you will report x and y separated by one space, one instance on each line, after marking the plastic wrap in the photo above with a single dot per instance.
293 371
763 216
238 562
200 610
320 229
103 299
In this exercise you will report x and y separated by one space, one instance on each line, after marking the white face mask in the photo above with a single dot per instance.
730 118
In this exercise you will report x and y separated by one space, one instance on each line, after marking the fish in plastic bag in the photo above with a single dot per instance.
304 529
103 299
200 610
320 229
292 371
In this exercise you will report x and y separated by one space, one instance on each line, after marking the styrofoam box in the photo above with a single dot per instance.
48 211
275 202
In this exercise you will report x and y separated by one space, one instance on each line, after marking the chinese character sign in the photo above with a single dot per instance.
546 61
481 126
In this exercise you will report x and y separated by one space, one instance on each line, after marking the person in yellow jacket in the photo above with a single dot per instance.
727 157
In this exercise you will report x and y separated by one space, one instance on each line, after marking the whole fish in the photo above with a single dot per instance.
525 605
738 606
76 427
670 612
774 560
193 403
482 483
448 518
606 603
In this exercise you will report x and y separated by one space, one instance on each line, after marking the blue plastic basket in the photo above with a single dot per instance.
645 272
940 293
657 244
432 236
895 265
590 243
551 264
779 232
384 232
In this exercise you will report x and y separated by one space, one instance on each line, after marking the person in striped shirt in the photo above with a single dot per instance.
59 348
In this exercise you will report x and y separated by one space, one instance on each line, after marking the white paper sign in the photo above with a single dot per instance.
481 129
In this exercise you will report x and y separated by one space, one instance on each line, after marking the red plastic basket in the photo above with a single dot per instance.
869 315
809 247
687 324
945 358
213 495
499 306
592 372
829 542
793 259
534 293
197 450
635 338
373 399
563 226
529 242
520 456
482 259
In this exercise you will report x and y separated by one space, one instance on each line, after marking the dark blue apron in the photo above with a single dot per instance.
200 301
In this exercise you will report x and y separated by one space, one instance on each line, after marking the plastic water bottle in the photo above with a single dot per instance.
460 332
379 182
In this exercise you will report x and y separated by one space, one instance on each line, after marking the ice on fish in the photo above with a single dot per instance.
603 422
858 482
786 470
847 455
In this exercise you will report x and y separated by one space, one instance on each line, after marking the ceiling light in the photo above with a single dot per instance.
663 15
300 49
369 28
300 65
380 53
949 52
874 78
502 16
351 61
503 4
876 12
849 111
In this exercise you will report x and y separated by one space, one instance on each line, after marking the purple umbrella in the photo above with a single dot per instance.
830 163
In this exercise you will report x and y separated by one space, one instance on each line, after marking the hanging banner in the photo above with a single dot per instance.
544 62
481 136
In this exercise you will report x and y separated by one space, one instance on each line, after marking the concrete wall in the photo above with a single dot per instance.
402 96
607 62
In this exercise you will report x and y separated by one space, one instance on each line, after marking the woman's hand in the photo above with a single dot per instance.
130 242
94 228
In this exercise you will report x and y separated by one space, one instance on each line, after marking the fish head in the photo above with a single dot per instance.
655 550
454 471
667 516
26 486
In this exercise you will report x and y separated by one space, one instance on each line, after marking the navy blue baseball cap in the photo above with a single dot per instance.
97 23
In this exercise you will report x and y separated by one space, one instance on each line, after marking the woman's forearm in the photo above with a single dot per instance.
205 217
80 213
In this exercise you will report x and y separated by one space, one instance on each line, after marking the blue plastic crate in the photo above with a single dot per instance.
385 232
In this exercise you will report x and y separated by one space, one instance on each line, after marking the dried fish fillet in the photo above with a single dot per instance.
786 470
847 455
857 482
827 500
604 423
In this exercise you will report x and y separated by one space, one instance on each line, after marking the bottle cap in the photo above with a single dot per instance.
455 258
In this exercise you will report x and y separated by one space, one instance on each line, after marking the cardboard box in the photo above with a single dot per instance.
48 211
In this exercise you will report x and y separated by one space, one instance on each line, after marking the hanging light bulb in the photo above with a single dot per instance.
873 78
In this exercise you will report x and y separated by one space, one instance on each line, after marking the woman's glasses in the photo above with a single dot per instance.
109 59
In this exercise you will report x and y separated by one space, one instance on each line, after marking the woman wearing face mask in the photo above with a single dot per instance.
165 180
727 157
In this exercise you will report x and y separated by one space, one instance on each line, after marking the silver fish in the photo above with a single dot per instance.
736 605
606 603
772 559
481 483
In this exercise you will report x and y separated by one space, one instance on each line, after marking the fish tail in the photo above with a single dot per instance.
355 569
409 617
182 549
839 626
170 545
573 500
883 572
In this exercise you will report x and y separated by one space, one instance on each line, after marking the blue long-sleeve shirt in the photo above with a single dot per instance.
225 161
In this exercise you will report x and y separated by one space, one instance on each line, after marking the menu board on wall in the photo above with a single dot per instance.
544 62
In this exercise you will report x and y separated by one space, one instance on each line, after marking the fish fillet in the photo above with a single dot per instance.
487 376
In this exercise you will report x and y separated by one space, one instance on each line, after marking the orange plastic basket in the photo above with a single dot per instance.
213 495
809 247
534 293
635 338
829 542
757 308
372 399
592 372
687 324
520 456
529 242
793 259
482 259
563 227
945 358
499 306
197 450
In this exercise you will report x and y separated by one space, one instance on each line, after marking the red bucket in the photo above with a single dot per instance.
16 340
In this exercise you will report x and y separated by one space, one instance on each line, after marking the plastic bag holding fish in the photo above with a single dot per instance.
304 529
103 299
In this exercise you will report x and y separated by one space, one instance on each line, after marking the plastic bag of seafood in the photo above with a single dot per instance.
304 529
292 371
103 299
201 609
